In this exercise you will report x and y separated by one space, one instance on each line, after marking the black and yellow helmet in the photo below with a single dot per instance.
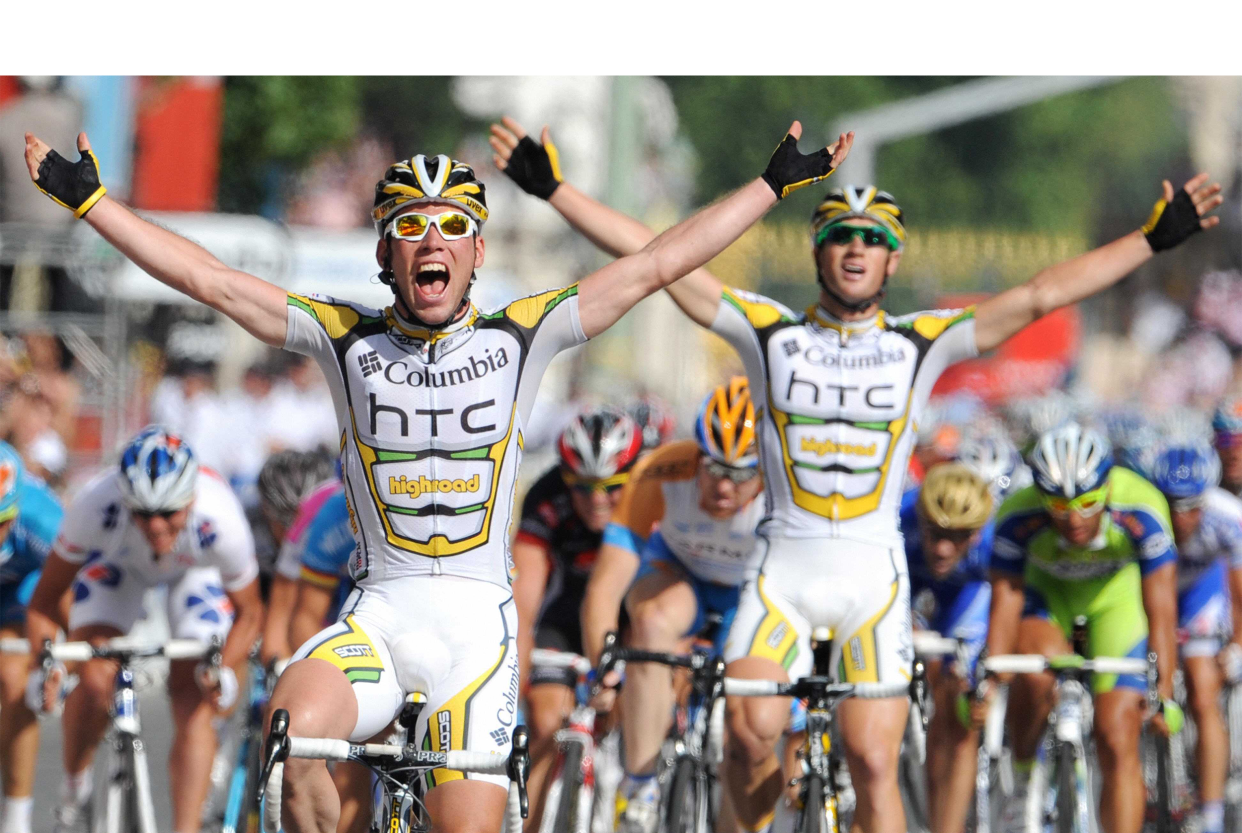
426 179
865 202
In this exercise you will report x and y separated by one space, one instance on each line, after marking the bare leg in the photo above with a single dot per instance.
193 748
547 705
752 772
19 731
1031 695
952 752
872 731
321 703
1203 683
85 718
1118 722
466 807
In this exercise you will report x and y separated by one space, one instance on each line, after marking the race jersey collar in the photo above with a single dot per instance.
431 344
824 320
1099 542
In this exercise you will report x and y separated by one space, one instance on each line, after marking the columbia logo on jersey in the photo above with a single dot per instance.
500 736
370 363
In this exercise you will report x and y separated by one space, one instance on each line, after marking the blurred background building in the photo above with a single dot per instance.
275 175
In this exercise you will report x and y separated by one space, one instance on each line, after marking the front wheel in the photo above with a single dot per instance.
688 803
570 782
1067 790
812 818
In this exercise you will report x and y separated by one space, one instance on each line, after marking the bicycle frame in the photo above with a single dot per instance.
129 782
239 813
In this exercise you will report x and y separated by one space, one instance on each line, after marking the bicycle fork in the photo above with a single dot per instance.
131 778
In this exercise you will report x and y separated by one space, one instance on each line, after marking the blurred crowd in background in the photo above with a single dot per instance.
90 352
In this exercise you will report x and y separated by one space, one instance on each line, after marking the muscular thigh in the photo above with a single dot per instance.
662 600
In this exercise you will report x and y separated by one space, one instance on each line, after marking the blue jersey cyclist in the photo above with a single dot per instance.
323 580
29 518
1207 526
947 526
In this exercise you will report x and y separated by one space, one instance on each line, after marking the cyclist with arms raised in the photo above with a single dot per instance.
843 386
562 522
432 397
30 514
1091 539
1207 528
157 519
702 499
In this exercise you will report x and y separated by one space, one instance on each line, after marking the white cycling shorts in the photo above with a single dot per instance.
860 591
451 639
105 594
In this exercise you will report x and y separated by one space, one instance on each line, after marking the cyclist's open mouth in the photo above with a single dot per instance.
432 280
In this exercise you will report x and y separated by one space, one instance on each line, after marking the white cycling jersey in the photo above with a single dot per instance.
1219 536
98 527
842 403
431 425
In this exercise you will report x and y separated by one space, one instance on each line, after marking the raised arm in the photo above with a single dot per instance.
255 304
1175 218
648 262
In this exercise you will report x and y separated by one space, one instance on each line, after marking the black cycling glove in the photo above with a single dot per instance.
75 185
535 167
1171 223
788 170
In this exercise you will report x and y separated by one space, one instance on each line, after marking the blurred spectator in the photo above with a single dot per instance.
186 403
337 190
50 363
303 415
31 276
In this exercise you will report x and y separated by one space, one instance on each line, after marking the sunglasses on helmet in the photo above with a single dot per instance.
1087 505
841 235
738 474
454 225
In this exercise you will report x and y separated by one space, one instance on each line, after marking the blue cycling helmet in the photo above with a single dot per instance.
157 472
1185 470
11 472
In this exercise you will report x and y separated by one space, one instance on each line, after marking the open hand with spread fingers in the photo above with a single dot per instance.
534 166
1176 217
790 169
75 185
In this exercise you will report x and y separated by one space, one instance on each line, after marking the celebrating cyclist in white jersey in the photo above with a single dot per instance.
685 527
432 397
844 386
158 520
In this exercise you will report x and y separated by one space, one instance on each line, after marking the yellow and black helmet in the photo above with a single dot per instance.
427 179
865 202
725 429
953 496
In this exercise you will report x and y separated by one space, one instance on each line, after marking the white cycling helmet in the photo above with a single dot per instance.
1070 460
993 457
157 472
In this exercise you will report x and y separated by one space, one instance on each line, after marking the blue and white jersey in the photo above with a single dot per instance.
973 568
1219 536
30 538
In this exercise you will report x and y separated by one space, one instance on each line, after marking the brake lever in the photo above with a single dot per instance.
519 766
276 750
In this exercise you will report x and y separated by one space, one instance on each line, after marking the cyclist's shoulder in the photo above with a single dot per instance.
1132 494
36 498
215 500
336 316
1220 505
759 311
1021 515
929 324
673 461
528 312
100 490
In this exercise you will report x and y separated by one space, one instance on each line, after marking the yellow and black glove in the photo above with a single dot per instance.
75 185
788 169
535 167
1171 223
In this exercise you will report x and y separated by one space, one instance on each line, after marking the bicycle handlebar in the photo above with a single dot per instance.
121 647
547 658
737 687
932 644
1038 663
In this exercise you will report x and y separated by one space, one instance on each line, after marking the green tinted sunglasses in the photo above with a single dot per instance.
841 235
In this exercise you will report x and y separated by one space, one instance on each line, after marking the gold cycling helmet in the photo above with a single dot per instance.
860 202
725 428
428 179
953 496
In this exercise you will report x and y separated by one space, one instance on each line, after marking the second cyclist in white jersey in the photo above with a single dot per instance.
432 398
157 519
843 386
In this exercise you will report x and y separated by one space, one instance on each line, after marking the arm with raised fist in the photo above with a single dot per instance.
535 167
255 304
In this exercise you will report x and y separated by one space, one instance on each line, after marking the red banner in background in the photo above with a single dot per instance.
8 88
177 143
1032 362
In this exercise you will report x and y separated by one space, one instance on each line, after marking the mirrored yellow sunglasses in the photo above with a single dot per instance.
414 226
1087 504
588 485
